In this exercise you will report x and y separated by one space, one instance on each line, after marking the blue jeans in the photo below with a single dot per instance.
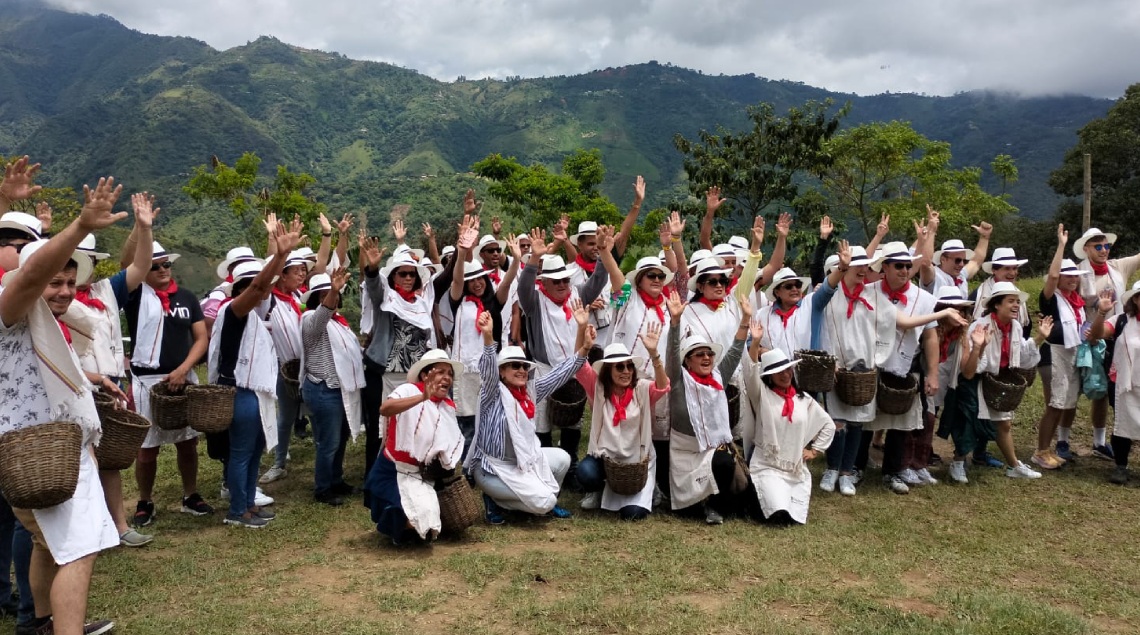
247 442
467 429
329 421
22 558
287 408
591 474
844 447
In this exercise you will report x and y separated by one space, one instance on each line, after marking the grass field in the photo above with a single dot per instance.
1059 555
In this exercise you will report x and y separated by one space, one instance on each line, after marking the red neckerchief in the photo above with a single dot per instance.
1006 331
164 295
493 274
565 304
434 399
84 298
408 296
288 298
586 266
731 285
712 304
654 304
340 319
853 296
708 380
959 281
789 396
230 277
1101 269
898 297
944 343
66 332
785 315
1078 303
620 404
478 306
525 402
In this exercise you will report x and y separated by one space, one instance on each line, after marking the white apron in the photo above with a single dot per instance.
625 443
529 476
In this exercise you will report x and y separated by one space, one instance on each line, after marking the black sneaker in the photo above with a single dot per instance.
193 504
144 514
47 628
98 628
343 489
329 498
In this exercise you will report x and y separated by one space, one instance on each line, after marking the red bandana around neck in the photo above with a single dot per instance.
1078 303
898 297
944 343
408 296
565 304
731 285
708 380
84 298
853 296
789 396
620 404
525 402
230 277
586 265
1006 331
341 320
478 306
785 315
420 385
1101 269
493 274
654 304
66 332
164 295
712 304
288 299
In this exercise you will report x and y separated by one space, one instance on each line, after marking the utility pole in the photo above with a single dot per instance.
1087 218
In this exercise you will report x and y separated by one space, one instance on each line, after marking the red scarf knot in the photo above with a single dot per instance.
785 315
959 281
66 332
853 296
707 380
1006 331
408 296
493 274
945 341
288 299
897 297
230 277
164 295
478 306
340 319
1078 303
433 398
523 397
789 396
653 303
565 303
1101 269
712 304
84 298
620 404
586 265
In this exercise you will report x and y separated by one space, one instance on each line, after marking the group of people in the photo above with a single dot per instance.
469 361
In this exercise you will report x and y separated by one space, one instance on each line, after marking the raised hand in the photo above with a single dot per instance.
560 228
581 313
485 323
756 330
676 307
399 231
1045 326
344 225
339 278
588 338
676 224
326 226
884 226
17 184
1062 235
1105 301
638 190
844 254
513 245
43 213
270 222
746 311
713 201
470 205
496 226
145 212
605 238
370 251
651 337
468 232
980 336
825 228
538 247
663 234
288 238
784 224
598 304
984 229
758 232
97 205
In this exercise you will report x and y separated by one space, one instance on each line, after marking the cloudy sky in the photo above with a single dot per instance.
862 46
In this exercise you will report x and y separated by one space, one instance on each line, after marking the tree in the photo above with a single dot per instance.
758 167
1114 143
1006 170
236 187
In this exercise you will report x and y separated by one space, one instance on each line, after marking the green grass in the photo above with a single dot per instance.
996 556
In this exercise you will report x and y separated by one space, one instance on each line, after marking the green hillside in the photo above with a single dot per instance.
87 96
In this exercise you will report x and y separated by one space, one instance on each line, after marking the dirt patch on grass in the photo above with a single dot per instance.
711 603
328 586
920 588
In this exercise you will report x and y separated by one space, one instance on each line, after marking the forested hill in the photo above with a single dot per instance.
87 96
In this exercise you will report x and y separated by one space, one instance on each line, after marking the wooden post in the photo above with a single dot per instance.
1086 221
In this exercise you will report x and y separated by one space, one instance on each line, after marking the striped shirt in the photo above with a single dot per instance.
491 436
319 366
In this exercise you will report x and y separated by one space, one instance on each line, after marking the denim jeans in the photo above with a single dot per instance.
591 474
844 447
287 408
328 421
22 559
503 495
247 442
467 429
7 528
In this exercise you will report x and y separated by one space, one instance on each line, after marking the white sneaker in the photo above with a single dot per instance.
910 477
261 499
827 481
712 517
591 500
1022 470
926 477
847 485
272 474
224 494
958 472
896 484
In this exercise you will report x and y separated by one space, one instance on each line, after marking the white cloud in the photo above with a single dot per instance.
862 46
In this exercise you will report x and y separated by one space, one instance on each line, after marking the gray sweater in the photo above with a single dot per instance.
678 407
529 298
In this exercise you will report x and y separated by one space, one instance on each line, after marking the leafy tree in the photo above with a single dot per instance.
1006 170
236 187
763 165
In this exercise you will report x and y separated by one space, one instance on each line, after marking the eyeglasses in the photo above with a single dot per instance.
1103 247
655 275
162 265
623 367
514 365
406 274
899 266
492 250
17 246
702 353
716 282
558 282
960 261
788 286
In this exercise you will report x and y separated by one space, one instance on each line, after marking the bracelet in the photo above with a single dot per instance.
667 247
676 239
326 235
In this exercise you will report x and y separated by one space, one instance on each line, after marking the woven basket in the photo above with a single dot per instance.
210 408
895 395
39 466
167 407
291 373
567 404
626 479
816 371
732 394
856 387
1028 374
1003 392
458 506
123 435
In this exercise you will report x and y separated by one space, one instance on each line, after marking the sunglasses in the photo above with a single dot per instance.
1103 247
721 281
405 274
559 282
959 261
492 250
788 286
899 266
655 275
704 353
623 367
17 246
164 265
515 365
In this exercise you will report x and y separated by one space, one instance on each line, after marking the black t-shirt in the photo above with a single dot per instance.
177 329
232 329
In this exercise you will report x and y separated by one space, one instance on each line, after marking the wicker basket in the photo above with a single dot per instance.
210 408
39 466
167 407
291 373
816 371
856 387
732 394
123 435
458 506
1003 392
626 479
567 404
895 395
1028 374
